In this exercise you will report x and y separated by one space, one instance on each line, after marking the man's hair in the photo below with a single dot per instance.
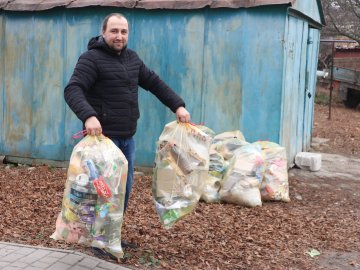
104 25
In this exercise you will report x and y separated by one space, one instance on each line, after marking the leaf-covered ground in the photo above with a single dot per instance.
343 129
323 215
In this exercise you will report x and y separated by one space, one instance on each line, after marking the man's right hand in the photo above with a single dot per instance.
93 126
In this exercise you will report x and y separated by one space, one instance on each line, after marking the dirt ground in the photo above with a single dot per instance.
343 130
323 215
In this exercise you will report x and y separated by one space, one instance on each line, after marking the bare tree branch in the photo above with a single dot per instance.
343 18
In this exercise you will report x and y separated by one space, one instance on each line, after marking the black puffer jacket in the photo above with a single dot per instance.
105 84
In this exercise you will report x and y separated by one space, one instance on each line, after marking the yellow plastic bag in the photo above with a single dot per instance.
181 165
93 202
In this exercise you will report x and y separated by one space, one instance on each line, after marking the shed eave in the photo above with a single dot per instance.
299 14
38 5
321 12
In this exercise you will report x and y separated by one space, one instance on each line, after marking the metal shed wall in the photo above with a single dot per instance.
227 64
300 64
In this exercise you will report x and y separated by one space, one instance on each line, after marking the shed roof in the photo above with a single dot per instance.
36 5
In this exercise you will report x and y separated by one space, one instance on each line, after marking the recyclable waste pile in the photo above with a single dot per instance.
181 164
238 172
245 173
93 201
222 148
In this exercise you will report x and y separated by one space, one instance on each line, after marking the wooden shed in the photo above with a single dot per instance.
239 64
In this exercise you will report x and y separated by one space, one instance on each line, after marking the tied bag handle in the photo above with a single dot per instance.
79 134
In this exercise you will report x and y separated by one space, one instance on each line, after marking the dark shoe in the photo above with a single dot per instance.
102 254
128 245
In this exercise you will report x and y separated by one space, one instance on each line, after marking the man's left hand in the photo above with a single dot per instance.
182 115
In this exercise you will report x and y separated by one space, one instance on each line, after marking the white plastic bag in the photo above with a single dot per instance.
228 146
212 183
181 165
236 134
93 202
241 183
275 184
221 150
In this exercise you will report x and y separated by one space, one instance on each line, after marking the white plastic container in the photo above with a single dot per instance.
308 161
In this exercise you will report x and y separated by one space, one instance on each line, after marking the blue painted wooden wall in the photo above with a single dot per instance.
300 64
230 65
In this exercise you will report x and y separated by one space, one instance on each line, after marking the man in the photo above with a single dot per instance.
103 90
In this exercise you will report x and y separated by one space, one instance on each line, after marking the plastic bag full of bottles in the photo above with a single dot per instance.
93 201
181 165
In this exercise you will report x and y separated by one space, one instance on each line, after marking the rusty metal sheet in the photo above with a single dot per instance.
86 3
346 75
23 5
3 3
248 3
171 4
49 4
32 5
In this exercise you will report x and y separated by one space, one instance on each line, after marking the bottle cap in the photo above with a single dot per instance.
82 179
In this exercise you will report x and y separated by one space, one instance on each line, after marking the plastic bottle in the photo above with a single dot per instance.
83 195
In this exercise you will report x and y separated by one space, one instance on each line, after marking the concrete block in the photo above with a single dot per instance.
71 259
20 265
59 266
49 260
57 254
88 263
41 265
308 161
11 257
107 266
25 251
40 253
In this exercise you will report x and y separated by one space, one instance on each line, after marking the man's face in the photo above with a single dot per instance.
116 33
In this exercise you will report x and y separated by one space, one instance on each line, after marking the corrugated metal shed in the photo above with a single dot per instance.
249 68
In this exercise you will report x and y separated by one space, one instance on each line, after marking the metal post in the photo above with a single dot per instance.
332 65
331 78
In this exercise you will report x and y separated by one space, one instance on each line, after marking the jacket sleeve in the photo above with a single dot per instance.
84 76
150 81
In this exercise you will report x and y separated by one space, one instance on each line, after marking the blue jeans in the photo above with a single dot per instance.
127 146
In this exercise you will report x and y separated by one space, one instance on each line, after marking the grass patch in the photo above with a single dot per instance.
148 259
322 98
